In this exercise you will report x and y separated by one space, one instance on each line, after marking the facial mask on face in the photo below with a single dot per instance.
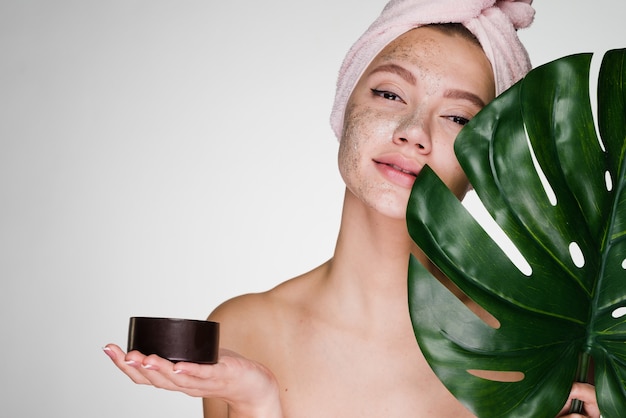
493 22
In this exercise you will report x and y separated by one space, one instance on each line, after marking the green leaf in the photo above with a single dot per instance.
567 308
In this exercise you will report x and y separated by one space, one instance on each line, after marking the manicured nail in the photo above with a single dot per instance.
109 352
147 366
130 362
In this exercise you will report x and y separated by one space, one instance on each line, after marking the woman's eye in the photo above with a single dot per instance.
387 95
459 120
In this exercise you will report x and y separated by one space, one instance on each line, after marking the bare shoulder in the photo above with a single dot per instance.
243 308
257 307
257 326
247 319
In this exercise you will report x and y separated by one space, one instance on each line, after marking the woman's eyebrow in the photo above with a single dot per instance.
465 95
398 70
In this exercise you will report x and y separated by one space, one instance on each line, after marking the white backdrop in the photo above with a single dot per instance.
159 157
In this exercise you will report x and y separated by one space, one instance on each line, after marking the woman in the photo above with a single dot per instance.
337 341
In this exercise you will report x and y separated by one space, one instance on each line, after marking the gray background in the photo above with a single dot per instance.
159 157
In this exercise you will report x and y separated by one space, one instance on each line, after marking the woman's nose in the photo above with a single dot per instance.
413 132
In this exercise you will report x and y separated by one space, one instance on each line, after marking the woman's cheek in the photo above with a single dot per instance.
367 133
353 139
456 180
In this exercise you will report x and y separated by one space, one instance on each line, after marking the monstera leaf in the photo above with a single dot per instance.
556 188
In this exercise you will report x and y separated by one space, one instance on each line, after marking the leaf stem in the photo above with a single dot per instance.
581 376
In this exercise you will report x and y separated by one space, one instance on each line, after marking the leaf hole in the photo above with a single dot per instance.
608 180
497 375
476 309
624 264
478 211
619 312
547 188
577 255
594 75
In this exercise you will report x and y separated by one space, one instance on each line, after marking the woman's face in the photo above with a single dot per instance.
406 111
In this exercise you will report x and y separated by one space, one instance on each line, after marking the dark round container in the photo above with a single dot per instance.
175 339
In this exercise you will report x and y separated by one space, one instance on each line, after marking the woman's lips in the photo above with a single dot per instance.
403 176
401 169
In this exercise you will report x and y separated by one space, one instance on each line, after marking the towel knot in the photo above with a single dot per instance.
519 12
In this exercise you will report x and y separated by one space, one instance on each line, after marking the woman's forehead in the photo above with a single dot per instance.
428 51
428 42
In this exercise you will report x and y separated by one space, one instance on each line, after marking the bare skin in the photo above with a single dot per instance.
338 341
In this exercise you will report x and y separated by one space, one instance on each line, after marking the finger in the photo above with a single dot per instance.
161 374
202 371
228 362
127 363
585 393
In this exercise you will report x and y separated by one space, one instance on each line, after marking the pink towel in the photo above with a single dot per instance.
493 22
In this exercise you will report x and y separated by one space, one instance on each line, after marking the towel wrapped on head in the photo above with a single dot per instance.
493 22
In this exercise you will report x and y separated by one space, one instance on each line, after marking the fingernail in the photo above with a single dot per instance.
130 362
147 366
109 352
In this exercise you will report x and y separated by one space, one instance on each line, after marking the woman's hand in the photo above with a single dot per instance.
248 387
585 393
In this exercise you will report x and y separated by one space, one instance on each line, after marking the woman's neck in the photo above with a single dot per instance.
372 247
